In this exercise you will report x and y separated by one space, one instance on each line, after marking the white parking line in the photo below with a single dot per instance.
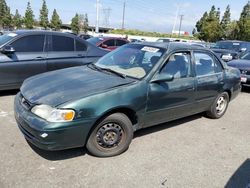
3 114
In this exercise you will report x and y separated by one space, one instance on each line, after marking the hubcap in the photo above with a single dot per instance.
221 105
109 135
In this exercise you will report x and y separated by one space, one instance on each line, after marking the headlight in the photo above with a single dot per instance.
52 114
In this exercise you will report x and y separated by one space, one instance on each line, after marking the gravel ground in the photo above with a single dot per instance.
191 152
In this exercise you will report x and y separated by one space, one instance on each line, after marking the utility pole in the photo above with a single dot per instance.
181 18
175 20
97 16
123 15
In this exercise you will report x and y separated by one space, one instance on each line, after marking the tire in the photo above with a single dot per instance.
111 136
219 107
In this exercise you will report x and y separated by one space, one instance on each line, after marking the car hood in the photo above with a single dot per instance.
57 87
240 64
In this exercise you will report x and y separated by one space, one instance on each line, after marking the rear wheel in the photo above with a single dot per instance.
111 136
219 106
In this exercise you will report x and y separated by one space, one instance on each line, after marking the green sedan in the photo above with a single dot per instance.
138 85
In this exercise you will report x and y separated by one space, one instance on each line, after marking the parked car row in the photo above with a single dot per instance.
100 105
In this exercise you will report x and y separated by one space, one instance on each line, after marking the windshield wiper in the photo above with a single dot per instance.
114 72
101 69
93 66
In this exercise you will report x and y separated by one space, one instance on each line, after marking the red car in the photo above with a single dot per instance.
109 43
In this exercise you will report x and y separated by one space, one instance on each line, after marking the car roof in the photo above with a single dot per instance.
232 41
23 32
104 37
173 45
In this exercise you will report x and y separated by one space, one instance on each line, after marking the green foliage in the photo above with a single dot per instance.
209 26
148 34
29 17
226 22
44 22
201 22
244 23
5 16
75 25
17 20
55 22
85 23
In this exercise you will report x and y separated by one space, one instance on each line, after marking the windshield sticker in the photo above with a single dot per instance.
236 43
12 34
150 49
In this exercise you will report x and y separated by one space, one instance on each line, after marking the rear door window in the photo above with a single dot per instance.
110 42
120 42
178 65
204 64
62 43
32 43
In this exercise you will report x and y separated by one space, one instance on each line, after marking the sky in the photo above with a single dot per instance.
147 15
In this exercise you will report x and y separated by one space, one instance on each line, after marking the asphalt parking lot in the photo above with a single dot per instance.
191 152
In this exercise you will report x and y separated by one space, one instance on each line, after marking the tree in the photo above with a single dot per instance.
83 22
55 22
3 7
86 23
209 26
17 20
200 23
244 23
44 22
233 30
225 23
7 20
75 26
5 16
29 17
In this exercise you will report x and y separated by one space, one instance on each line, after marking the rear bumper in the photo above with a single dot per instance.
59 135
245 80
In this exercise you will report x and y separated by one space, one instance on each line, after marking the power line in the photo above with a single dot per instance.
106 16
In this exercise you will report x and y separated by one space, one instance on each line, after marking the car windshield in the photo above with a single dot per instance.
245 56
6 37
228 45
133 60
95 40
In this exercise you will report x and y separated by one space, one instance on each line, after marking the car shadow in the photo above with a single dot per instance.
59 155
8 92
241 177
167 125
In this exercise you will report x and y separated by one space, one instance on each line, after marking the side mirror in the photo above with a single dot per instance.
162 78
7 49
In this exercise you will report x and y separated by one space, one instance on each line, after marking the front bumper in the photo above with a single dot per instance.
59 135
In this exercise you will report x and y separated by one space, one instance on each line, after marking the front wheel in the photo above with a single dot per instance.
111 136
219 106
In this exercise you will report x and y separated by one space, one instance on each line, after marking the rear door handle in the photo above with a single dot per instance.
39 57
